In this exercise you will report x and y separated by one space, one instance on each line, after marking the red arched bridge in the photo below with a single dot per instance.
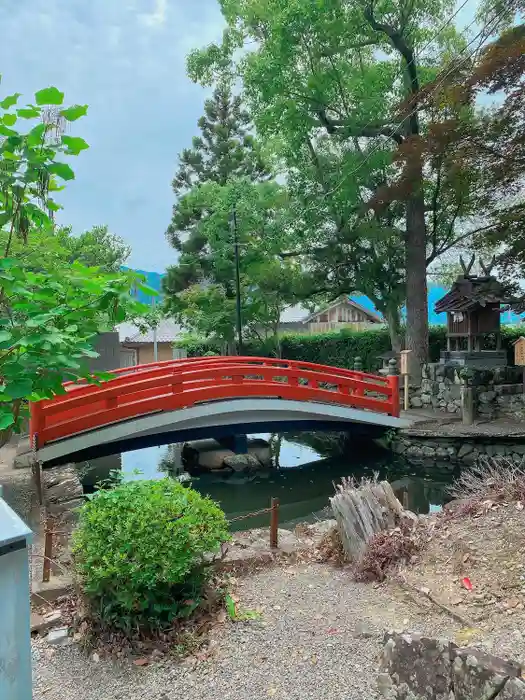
180 396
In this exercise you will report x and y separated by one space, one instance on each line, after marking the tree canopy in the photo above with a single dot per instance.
339 87
51 307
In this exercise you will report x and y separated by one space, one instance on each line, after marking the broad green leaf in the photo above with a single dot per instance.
19 389
53 206
75 112
5 336
36 136
29 112
5 131
9 101
49 96
62 170
74 144
6 420
9 119
90 353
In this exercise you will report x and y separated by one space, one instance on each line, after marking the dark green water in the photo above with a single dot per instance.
305 469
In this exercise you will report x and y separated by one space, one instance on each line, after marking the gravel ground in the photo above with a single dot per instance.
319 636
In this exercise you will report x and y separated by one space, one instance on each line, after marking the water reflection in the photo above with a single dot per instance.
302 477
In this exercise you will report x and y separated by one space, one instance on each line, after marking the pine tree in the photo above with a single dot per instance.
217 171
225 150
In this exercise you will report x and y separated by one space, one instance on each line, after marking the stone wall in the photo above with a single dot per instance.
419 668
457 450
498 391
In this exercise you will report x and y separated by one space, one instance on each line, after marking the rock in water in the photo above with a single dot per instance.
243 463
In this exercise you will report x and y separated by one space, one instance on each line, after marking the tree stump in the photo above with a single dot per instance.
363 510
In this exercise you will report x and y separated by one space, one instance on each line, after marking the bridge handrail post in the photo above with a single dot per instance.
393 382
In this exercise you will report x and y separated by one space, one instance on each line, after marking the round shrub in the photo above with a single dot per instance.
140 551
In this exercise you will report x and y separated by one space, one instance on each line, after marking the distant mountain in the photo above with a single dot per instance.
435 292
153 280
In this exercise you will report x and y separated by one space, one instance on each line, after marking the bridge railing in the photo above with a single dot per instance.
178 384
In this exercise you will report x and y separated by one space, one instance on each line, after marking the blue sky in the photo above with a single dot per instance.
126 60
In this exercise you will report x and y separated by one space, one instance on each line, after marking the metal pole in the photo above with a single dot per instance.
237 283
155 345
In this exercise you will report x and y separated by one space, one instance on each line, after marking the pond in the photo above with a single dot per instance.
304 469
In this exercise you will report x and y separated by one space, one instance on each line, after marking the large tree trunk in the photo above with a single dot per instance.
394 329
416 283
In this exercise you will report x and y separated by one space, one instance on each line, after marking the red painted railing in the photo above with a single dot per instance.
175 384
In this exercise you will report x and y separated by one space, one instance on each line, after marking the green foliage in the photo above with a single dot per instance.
340 348
48 320
139 552
326 83
51 307
267 282
30 158
97 247
236 614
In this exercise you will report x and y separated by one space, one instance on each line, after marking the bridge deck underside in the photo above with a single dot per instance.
215 420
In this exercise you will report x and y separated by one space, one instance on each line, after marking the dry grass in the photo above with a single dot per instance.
491 480
330 549
389 549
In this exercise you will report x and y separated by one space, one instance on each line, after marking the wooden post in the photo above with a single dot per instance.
404 372
274 522
48 551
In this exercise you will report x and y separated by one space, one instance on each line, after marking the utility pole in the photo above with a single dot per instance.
155 344
237 282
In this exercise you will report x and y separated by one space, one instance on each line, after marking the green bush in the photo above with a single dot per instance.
339 348
139 552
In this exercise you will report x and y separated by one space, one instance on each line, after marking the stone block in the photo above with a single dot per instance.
66 490
65 506
451 408
485 409
442 453
487 396
514 689
465 449
477 675
426 399
428 451
418 665
55 475
53 589
416 402
43 623
59 637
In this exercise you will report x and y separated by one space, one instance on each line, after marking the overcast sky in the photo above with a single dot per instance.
126 60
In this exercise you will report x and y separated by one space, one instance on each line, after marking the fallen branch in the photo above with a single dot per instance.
444 608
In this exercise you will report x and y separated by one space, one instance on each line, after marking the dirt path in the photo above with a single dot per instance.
319 636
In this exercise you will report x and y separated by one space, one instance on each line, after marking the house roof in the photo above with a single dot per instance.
294 314
467 293
167 332
370 314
